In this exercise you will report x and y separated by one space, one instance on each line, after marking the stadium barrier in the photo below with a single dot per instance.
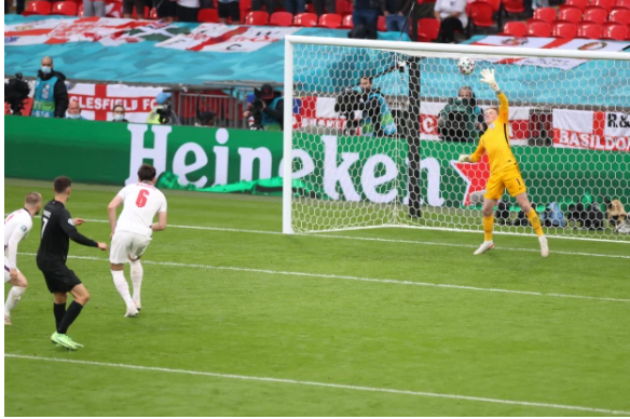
202 158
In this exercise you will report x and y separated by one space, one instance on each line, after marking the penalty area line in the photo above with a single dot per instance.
324 385
358 278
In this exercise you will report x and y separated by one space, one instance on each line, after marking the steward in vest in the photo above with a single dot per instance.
51 95
461 120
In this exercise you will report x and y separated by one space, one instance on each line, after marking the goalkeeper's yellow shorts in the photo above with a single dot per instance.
509 179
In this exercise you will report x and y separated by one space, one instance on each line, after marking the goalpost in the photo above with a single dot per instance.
388 157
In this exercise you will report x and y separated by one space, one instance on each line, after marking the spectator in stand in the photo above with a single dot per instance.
51 94
74 110
452 17
94 8
166 10
324 6
229 9
397 15
365 15
187 10
295 7
270 5
119 113
128 6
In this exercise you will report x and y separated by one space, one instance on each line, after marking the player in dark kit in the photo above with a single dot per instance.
57 228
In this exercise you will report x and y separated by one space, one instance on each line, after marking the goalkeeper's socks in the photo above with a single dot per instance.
535 222
488 225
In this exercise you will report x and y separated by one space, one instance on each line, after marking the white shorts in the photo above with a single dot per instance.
7 275
127 245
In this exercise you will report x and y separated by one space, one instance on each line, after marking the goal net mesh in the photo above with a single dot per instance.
376 135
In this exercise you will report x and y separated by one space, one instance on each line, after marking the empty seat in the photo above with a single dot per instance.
580 4
381 26
495 4
208 16
619 15
65 8
595 14
615 32
281 19
514 6
481 14
307 20
604 4
346 22
428 29
623 3
566 30
330 20
37 8
257 18
539 29
516 29
570 14
589 30
548 14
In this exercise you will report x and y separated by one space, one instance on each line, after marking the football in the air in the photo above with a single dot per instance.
466 65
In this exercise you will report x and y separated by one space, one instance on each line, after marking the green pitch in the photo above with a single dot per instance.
317 311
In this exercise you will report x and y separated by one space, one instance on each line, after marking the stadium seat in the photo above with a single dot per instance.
566 30
245 6
619 15
516 29
539 29
281 19
595 14
346 22
615 32
481 14
343 7
589 30
381 26
307 20
623 3
570 14
496 4
134 14
514 6
64 8
208 16
37 8
153 14
580 4
257 18
604 4
428 29
330 20
548 14
80 10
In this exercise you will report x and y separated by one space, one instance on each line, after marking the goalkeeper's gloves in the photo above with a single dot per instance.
487 76
464 158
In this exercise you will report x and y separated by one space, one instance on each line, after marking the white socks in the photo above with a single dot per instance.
13 299
122 287
136 279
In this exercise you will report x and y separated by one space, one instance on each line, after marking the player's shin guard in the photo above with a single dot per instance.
13 298
488 225
123 288
137 272
535 222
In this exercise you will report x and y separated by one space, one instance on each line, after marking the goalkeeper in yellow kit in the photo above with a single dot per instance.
504 171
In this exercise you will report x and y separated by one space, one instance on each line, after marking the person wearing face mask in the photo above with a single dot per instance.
461 120
119 113
376 118
74 111
51 94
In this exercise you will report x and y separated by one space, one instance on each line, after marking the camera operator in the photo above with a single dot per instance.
267 110
461 120
376 119
15 92
163 113
51 94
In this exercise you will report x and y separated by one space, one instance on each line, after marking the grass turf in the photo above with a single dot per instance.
335 330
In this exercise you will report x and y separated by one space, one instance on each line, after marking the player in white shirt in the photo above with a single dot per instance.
131 235
16 228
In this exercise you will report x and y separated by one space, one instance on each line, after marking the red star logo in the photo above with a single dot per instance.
474 174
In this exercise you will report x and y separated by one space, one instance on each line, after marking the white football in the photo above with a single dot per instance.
466 65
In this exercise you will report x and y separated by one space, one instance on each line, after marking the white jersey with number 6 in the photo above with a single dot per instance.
141 202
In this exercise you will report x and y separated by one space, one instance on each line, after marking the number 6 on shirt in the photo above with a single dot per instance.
142 198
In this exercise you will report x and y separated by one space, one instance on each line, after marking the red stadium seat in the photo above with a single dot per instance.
623 3
346 22
343 7
281 19
595 14
619 15
539 29
37 8
514 6
381 26
330 20
153 15
428 29
604 4
245 6
80 12
516 29
481 14
615 32
496 4
307 20
65 8
566 30
570 14
580 4
257 18
208 16
134 14
548 14
310 8
589 30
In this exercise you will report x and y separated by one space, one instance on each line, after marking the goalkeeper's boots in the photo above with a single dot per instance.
544 247
485 246
64 341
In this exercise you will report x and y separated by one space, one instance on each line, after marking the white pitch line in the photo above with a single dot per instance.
376 239
326 385
358 278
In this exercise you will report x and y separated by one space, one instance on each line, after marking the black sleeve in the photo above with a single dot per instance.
72 232
61 99
278 113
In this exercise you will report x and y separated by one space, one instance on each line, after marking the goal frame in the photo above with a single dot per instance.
419 49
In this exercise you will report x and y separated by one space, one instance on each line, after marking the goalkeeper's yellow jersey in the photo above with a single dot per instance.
496 141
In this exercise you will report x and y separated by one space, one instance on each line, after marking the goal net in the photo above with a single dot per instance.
377 129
